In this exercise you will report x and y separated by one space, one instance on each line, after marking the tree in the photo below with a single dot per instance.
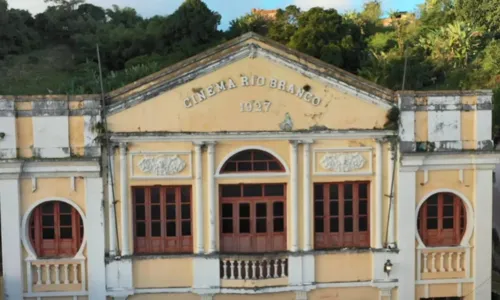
249 22
66 4
285 25
481 13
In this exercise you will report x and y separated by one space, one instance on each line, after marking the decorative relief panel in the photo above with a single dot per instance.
160 165
343 161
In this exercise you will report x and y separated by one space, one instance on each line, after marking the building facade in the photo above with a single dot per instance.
248 171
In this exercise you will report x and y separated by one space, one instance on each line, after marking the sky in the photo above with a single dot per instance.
229 9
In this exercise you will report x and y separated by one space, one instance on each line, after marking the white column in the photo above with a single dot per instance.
406 232
111 205
212 207
294 186
96 274
307 202
483 243
390 189
124 199
199 246
379 199
11 235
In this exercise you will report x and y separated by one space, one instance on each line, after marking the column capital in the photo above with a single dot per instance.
123 146
301 141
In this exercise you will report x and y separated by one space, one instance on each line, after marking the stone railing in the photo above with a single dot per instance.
443 262
46 275
253 267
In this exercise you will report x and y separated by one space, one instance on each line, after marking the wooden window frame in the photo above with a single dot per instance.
329 239
164 243
253 163
57 246
234 242
441 236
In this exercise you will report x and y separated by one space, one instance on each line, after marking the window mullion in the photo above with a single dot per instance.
178 217
355 211
341 213
57 237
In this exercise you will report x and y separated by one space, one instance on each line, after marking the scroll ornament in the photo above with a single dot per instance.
162 165
342 162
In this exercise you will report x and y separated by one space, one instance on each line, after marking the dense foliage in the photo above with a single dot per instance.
446 44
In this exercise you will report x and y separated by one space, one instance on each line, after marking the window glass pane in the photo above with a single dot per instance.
140 212
334 191
363 207
244 210
318 225
186 194
448 199
432 224
227 210
278 208
318 208
155 195
186 211
334 225
261 155
318 191
66 233
231 191
65 220
363 224
244 226
433 200
171 229
448 223
260 225
229 167
334 208
47 220
274 190
348 191
260 166
348 208
275 166
139 195
227 226
155 212
252 190
261 209
432 210
348 226
141 229
243 155
186 228
170 195
448 211
48 208
279 225
64 208
48 233
155 229
244 166
170 212
363 191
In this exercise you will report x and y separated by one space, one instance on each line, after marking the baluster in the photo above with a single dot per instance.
240 263
283 266
441 262
450 265
275 268
66 275
247 266
57 274
261 274
75 274
433 263
254 267
231 268
426 268
268 268
459 261
38 275
47 273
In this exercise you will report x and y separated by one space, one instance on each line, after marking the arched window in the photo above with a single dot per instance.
252 161
442 220
55 230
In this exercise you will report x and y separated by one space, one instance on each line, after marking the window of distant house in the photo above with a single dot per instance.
253 218
162 219
252 161
55 230
341 215
442 220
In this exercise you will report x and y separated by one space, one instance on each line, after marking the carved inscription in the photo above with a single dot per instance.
342 162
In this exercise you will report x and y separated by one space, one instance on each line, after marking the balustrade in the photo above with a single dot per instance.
253 268
443 261
56 273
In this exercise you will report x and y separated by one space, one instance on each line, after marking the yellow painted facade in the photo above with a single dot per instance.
180 128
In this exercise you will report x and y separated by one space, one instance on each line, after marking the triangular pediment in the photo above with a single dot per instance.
249 84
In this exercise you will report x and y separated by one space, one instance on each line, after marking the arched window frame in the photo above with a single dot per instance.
25 227
465 242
